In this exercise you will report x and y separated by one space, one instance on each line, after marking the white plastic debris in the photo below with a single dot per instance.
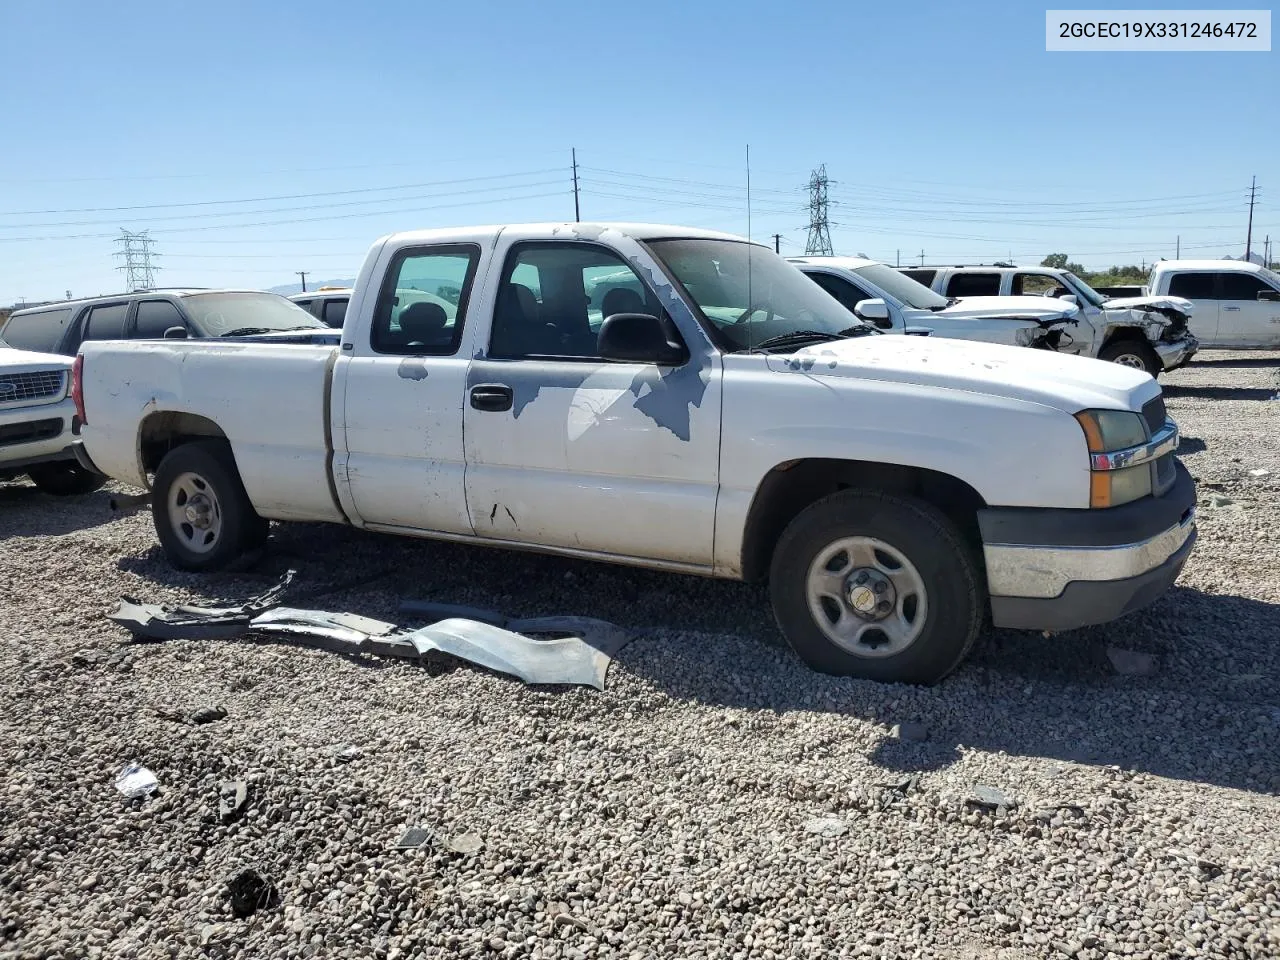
135 781
1260 472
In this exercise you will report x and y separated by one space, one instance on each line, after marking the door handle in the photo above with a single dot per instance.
494 397
1231 309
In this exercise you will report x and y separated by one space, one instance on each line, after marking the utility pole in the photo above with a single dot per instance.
1178 255
303 275
897 258
777 243
818 242
577 216
139 271
922 258
1248 240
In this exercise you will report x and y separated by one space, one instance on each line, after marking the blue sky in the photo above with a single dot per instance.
254 140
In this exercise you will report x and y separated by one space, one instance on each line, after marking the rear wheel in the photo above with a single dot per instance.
65 479
1132 353
872 585
203 516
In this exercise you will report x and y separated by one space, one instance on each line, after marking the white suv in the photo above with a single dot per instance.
37 417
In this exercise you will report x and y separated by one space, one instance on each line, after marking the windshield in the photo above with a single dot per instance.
749 294
901 287
1082 289
221 314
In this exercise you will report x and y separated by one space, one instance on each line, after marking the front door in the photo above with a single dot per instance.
399 392
1249 311
566 449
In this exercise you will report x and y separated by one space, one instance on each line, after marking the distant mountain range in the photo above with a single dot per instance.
289 289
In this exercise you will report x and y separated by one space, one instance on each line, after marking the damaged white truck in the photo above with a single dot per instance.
679 400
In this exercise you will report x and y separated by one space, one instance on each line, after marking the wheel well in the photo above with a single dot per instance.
792 486
161 432
1125 333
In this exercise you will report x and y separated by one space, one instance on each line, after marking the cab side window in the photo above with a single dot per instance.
1242 286
554 296
106 322
844 291
1193 286
423 302
974 285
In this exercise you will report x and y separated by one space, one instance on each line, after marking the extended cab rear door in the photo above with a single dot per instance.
399 385
565 449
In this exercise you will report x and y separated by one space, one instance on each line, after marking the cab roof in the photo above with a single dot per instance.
589 230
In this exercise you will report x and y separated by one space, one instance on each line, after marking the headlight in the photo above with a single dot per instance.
1109 431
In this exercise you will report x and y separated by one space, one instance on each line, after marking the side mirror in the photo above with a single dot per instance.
1070 298
639 338
176 333
918 332
1270 296
875 311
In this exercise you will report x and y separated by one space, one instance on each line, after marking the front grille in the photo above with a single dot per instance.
16 387
1154 413
30 431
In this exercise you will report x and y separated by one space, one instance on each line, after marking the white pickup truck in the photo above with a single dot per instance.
675 399
1237 303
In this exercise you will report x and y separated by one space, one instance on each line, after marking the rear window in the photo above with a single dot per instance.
922 276
974 285
36 331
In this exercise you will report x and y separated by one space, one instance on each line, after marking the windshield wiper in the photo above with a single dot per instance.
245 331
811 336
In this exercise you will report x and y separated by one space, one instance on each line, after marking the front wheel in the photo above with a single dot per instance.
65 479
203 516
871 585
1132 353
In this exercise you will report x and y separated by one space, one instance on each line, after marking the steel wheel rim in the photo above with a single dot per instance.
835 581
195 514
1130 360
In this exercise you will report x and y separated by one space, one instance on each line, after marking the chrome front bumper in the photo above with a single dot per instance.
1062 569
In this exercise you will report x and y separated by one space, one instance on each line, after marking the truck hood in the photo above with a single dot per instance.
1066 383
1159 305
13 360
1040 309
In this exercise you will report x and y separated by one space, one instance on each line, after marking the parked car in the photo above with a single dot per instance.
36 422
707 409
1237 303
1149 333
328 304
156 314
879 294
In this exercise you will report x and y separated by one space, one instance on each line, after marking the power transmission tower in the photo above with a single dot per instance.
139 271
818 242
1248 240
303 275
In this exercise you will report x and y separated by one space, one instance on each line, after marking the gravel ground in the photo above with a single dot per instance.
718 800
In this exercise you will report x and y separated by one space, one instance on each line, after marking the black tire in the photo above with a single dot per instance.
65 479
1132 353
945 565
239 528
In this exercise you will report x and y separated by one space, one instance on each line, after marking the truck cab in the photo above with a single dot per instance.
1237 303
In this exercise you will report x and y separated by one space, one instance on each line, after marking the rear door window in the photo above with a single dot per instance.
1037 285
974 285
423 303
1193 286
106 322
334 312
37 331
154 318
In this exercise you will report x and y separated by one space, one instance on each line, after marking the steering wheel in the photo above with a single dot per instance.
768 312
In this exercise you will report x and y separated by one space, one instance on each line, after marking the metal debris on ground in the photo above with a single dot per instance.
208 715
135 781
232 797
991 798
467 843
249 891
413 838
828 827
1131 663
542 650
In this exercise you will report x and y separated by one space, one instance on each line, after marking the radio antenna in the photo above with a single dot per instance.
750 302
